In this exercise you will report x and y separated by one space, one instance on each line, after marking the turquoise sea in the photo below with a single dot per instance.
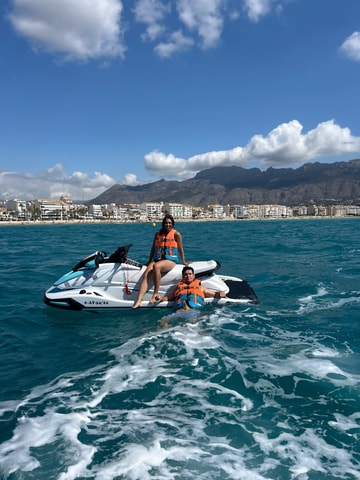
270 391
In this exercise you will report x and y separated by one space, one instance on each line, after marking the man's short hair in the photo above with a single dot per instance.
187 267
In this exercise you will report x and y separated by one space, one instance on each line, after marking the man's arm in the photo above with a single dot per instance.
213 293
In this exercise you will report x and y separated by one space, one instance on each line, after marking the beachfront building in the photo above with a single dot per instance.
47 209
15 205
252 211
274 211
66 200
262 211
179 210
174 209
64 209
199 212
336 211
95 211
4 216
123 212
218 211
134 212
241 211
229 211
353 210
113 211
17 209
187 211
152 210
317 211
300 211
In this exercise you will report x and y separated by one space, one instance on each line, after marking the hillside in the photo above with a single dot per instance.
319 183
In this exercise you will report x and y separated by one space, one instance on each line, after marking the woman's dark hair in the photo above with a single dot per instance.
167 217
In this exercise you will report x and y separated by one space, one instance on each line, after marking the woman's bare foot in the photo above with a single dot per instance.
136 305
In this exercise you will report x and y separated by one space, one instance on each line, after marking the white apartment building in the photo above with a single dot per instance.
274 211
241 211
336 211
48 209
353 210
18 206
217 211
179 210
95 211
152 210
301 211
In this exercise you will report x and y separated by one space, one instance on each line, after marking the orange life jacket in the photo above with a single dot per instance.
190 294
166 246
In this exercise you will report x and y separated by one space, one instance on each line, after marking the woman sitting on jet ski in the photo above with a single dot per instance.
166 251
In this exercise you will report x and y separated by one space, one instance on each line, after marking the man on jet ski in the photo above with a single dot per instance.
189 293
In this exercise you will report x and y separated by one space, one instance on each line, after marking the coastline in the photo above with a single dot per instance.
178 220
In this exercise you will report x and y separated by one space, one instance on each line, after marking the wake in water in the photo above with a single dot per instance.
232 395
325 300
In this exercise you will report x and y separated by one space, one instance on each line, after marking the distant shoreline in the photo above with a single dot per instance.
158 222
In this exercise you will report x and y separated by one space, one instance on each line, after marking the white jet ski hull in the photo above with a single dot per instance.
99 283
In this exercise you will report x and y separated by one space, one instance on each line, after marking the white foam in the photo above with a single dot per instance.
347 424
323 300
32 433
321 292
306 453
182 399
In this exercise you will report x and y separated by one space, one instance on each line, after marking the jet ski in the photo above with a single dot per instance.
101 282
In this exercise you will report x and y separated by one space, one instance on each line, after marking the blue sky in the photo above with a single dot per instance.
98 92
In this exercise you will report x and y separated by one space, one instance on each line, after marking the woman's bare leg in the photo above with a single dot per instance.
163 266
144 285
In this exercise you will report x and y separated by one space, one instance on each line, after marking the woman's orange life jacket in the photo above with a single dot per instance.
166 246
190 294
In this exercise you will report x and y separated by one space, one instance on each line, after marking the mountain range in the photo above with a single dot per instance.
312 183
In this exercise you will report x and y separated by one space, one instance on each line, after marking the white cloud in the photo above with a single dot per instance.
165 165
130 179
351 47
177 25
257 8
81 31
285 145
204 17
152 13
53 183
176 42
200 18
85 30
